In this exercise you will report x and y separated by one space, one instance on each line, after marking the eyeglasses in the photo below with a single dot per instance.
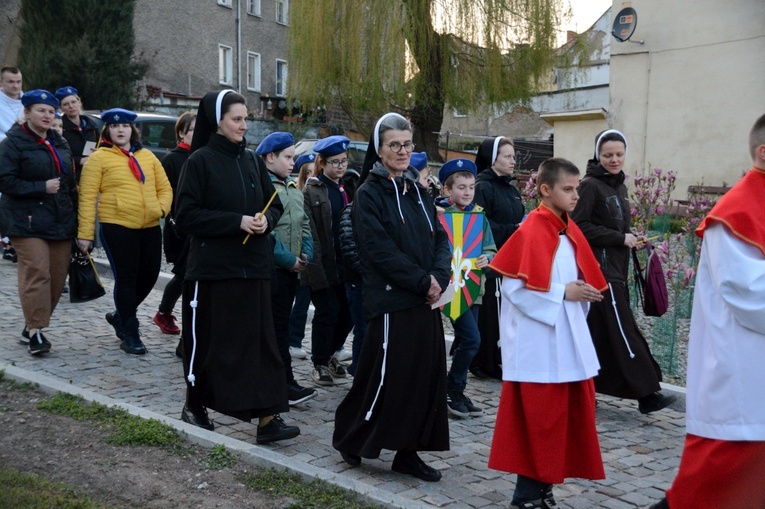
396 146
339 163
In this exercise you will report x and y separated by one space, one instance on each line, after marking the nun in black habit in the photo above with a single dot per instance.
496 192
230 357
398 398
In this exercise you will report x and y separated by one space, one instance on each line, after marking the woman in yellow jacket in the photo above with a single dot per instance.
134 195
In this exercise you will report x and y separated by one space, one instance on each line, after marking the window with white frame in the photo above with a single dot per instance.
253 7
282 11
281 78
225 64
225 3
253 71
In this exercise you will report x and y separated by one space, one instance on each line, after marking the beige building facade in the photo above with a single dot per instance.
685 90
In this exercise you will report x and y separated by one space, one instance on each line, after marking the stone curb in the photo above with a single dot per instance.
253 455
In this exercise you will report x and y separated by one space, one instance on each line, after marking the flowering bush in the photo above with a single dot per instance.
651 197
529 193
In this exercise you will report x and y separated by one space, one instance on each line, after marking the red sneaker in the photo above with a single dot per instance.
166 323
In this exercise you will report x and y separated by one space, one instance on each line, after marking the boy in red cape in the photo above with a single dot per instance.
723 462
545 428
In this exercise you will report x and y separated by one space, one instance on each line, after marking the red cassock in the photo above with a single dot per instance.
546 431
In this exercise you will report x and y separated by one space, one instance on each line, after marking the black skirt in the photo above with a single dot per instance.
409 413
488 359
620 375
237 367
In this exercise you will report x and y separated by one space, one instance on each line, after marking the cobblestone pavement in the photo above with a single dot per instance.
641 453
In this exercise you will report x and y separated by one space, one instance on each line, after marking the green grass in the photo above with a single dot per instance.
123 428
30 491
315 495
219 458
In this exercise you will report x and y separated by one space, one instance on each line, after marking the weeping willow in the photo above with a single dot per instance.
416 56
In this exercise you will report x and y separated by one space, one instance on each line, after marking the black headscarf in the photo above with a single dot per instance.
208 118
613 135
487 153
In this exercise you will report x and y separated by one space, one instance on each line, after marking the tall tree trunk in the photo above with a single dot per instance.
427 47
427 119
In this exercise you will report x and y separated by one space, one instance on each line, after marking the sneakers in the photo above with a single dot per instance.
200 419
10 254
24 337
298 394
321 376
455 403
38 343
534 504
336 369
114 320
297 353
473 410
654 402
548 500
343 354
166 323
276 430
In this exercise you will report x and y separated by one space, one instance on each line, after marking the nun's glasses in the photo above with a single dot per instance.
396 146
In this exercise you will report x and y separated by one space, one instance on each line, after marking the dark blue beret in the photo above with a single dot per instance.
39 96
419 160
331 145
275 142
454 166
304 159
118 116
63 92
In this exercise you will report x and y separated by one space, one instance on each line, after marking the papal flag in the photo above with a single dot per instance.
465 231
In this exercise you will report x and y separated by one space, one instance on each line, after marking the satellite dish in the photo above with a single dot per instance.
624 24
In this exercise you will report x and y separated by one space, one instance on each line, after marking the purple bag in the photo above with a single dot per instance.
651 289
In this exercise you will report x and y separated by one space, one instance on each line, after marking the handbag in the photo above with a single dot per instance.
651 288
84 283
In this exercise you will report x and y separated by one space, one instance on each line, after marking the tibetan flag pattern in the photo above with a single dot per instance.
465 231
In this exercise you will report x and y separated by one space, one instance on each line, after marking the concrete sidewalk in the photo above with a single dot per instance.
641 453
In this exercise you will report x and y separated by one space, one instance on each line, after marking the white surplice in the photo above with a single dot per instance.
726 354
545 339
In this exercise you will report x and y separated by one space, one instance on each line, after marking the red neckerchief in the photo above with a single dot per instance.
132 161
741 210
184 146
49 145
529 252
342 193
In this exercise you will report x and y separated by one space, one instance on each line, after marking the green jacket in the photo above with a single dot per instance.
293 231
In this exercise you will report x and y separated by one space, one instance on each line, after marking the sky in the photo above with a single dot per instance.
586 12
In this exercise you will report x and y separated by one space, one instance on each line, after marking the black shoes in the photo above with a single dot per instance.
473 410
179 349
199 419
131 338
352 459
455 404
38 343
10 254
276 430
661 504
115 322
654 402
409 463
24 337
133 345
298 394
